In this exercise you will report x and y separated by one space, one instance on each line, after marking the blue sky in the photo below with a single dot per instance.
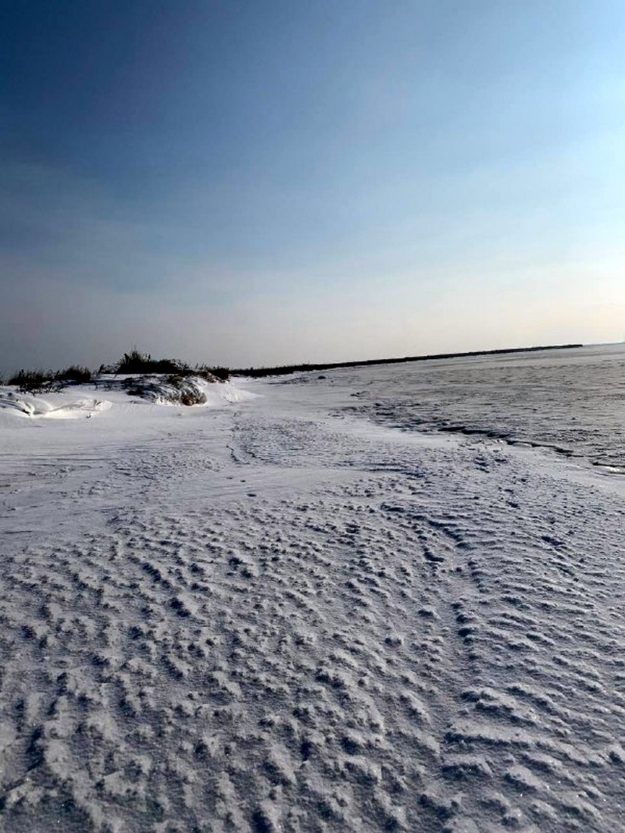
257 182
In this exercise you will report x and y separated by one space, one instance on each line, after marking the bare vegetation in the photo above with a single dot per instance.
174 389
135 362
31 381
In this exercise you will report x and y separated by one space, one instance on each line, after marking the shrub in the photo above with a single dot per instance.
32 380
174 388
36 380
192 397
189 394
136 362
212 374
74 373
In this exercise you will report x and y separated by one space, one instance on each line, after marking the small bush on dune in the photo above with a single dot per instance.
74 373
133 362
212 374
136 362
176 381
190 394
174 388
32 380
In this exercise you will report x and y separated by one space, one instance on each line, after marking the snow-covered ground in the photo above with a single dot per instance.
271 613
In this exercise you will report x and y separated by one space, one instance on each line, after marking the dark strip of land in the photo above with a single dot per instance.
297 368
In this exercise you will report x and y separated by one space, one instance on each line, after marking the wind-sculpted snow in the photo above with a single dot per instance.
269 618
35 407
572 401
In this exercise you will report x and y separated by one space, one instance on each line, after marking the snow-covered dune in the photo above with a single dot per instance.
278 616
85 400
66 407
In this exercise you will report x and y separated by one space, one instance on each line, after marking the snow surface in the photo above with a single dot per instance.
570 400
274 614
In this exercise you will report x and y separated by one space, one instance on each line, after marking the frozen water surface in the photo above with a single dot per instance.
570 400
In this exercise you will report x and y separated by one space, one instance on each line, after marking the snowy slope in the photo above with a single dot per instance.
275 615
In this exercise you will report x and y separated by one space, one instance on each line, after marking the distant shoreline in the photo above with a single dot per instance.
142 363
283 370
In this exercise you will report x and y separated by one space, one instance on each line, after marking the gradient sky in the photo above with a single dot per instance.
259 182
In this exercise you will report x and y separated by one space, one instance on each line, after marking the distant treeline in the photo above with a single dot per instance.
299 368
137 363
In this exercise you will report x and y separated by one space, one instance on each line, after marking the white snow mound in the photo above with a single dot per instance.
27 405
83 401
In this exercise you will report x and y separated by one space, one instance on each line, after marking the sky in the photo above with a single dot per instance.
275 181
